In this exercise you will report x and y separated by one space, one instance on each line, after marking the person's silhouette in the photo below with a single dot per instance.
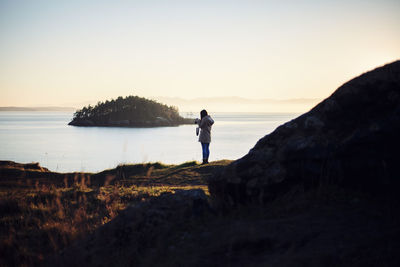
205 124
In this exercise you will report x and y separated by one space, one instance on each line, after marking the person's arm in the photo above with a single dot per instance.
207 121
203 123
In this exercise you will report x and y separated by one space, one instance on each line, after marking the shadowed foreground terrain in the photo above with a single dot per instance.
325 227
154 214
42 212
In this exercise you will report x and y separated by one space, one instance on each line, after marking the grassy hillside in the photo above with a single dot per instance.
43 212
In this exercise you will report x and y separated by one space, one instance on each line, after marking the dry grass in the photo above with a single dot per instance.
41 215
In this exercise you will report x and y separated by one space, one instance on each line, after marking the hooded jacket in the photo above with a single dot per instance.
205 129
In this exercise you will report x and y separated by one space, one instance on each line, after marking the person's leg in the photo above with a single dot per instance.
204 150
207 151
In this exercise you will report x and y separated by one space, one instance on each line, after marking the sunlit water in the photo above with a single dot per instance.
46 138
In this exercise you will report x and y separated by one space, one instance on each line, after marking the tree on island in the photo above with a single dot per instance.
131 111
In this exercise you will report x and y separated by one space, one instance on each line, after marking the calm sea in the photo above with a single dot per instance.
46 138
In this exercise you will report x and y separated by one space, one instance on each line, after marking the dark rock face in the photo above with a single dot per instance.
350 139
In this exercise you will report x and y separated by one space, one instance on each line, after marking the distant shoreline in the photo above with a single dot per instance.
192 114
37 109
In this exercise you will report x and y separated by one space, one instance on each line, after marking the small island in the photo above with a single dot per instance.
131 111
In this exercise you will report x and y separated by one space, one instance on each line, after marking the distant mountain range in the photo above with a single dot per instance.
213 104
235 100
230 104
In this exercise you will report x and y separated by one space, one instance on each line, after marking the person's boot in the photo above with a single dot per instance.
204 161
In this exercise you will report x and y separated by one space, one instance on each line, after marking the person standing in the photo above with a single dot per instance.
205 124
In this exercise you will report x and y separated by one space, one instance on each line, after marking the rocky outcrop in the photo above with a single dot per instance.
351 139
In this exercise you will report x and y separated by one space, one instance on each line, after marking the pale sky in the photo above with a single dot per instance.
62 52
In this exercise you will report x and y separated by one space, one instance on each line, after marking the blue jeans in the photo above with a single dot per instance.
206 150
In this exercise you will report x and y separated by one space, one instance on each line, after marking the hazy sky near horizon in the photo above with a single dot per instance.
66 52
